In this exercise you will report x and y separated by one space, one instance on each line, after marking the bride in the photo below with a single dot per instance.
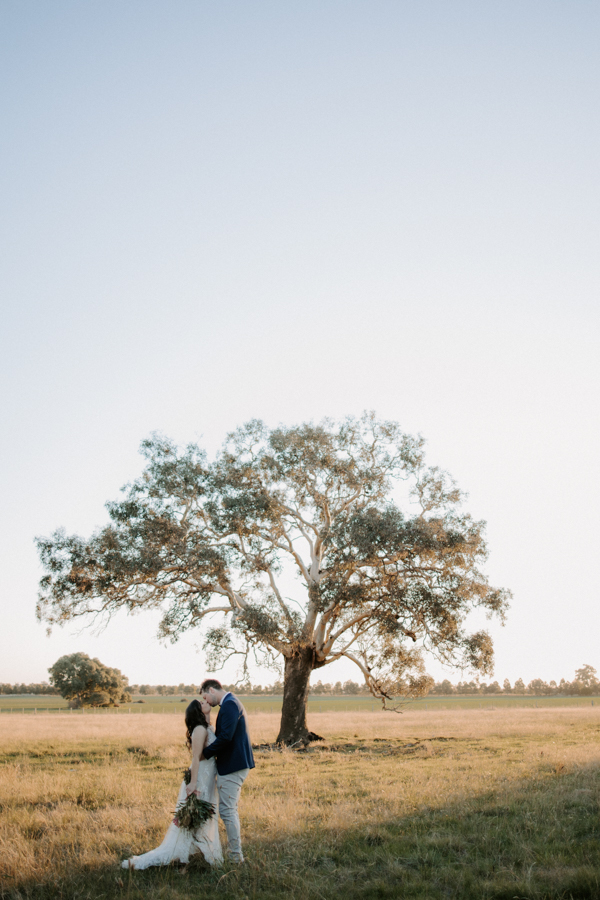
179 844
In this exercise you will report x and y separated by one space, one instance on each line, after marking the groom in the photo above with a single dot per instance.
233 751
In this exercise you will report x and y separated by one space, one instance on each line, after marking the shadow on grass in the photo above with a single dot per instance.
535 839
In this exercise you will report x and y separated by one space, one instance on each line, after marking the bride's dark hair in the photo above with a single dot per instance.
193 717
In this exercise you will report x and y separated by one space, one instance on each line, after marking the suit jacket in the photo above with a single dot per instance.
232 746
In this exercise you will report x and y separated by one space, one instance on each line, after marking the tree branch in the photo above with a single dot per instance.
296 515
297 557
333 637
277 593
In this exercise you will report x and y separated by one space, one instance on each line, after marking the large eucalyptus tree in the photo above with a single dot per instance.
386 564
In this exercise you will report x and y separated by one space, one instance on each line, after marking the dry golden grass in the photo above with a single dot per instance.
466 804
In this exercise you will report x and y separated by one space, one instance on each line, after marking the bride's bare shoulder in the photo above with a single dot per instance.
199 735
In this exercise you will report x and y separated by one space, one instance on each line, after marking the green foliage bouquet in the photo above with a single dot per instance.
193 812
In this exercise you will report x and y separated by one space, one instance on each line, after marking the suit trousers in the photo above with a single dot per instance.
230 787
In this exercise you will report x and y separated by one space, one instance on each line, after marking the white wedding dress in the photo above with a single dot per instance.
179 844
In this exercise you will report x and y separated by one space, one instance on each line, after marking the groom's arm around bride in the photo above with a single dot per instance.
233 752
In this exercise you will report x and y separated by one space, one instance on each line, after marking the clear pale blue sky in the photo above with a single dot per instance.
219 211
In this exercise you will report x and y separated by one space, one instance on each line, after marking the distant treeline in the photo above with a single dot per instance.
246 688
41 688
585 683
172 690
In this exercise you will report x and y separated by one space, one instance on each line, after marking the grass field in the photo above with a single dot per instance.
266 704
497 803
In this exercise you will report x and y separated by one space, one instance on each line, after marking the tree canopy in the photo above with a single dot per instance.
87 681
387 562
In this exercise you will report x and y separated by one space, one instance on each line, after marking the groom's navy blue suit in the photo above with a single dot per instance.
232 746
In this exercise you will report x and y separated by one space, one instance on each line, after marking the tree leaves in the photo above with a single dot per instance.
88 681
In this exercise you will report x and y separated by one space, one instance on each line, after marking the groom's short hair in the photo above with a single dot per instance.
210 683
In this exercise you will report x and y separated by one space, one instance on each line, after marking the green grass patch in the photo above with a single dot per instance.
14 704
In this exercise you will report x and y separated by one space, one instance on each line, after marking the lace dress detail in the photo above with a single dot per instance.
179 844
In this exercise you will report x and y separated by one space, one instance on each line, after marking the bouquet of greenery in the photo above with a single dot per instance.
193 812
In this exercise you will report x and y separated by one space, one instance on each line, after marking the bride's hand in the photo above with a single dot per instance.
190 790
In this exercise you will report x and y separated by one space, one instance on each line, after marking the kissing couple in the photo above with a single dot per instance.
221 760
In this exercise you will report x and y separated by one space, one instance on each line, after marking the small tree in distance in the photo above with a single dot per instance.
377 583
87 682
586 681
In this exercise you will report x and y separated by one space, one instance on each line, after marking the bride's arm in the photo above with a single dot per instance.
198 741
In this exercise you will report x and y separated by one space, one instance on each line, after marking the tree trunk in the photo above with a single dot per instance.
293 728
